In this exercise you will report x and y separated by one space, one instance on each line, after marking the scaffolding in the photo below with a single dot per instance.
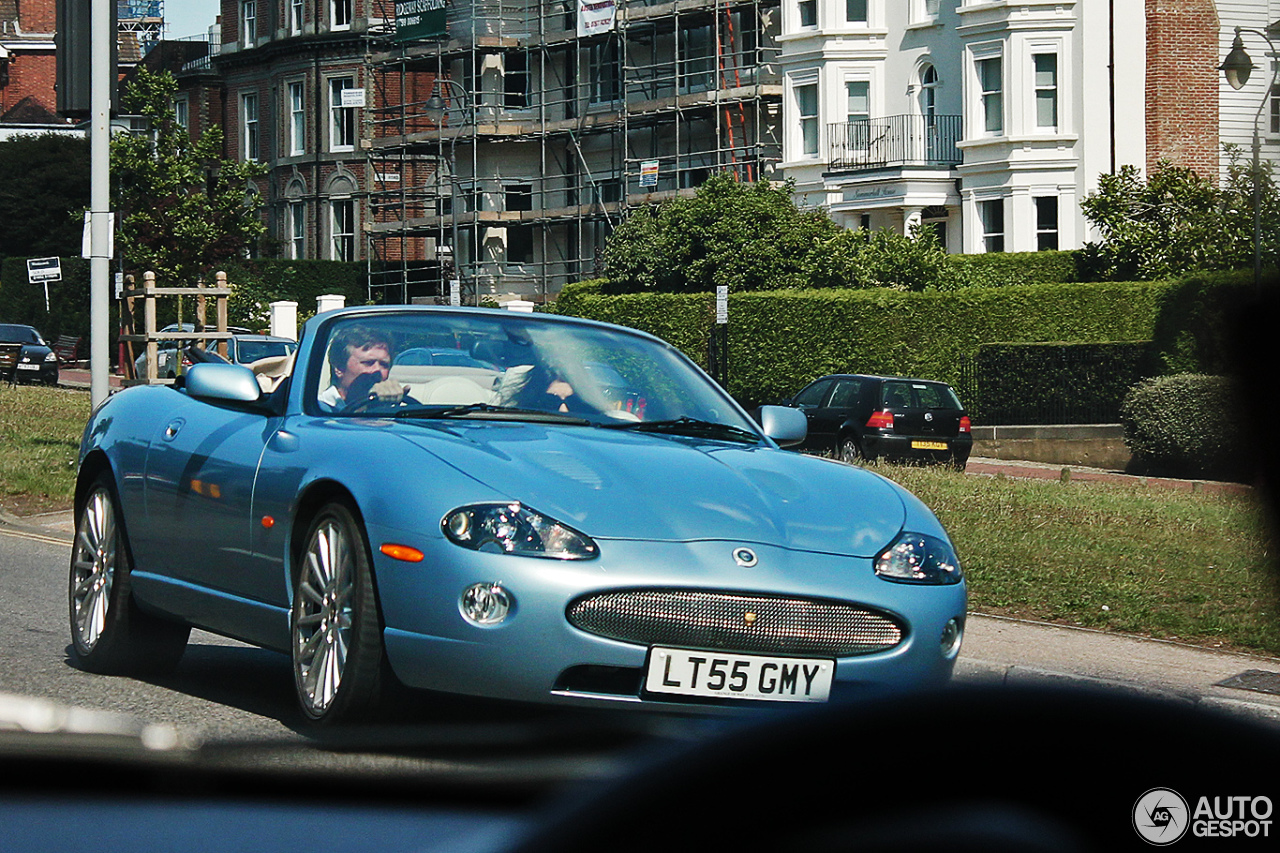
503 154
140 22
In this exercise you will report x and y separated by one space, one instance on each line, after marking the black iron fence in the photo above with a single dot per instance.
902 140
1052 383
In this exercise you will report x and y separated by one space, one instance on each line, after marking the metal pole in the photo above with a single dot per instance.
99 199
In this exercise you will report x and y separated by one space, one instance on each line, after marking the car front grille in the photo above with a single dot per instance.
741 622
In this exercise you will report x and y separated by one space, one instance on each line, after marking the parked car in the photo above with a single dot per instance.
521 538
246 348
172 358
857 417
25 356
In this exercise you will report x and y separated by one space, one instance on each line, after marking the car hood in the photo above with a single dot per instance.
621 485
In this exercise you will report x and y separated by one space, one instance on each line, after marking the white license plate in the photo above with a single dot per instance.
28 367
729 676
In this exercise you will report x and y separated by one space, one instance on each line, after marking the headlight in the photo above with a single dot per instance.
515 529
916 558
53 356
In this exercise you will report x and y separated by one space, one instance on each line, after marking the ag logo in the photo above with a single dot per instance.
1161 816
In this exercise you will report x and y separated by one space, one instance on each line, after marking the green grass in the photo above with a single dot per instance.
40 431
1198 568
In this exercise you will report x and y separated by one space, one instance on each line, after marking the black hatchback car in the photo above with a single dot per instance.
25 357
894 418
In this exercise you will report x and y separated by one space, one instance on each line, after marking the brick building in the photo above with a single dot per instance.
28 68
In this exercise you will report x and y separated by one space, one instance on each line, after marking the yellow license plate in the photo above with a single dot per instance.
928 445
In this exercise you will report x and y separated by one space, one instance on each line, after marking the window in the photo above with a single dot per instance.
520 244
808 13
297 119
342 120
518 197
815 394
1275 109
249 125
295 16
991 94
181 112
858 100
992 214
297 230
858 112
1046 86
697 66
515 81
855 11
249 22
340 15
924 11
603 72
1046 223
342 227
928 91
807 109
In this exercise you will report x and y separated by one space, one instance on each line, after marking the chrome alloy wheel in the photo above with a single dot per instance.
323 615
94 561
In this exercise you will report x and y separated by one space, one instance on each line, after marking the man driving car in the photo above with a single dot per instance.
355 352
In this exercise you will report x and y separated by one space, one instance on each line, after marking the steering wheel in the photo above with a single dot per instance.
360 395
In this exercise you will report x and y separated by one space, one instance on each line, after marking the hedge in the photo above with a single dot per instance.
1186 425
778 341
1002 269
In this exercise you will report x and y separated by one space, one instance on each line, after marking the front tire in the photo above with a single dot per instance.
338 659
109 634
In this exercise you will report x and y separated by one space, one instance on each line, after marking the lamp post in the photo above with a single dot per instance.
1238 67
437 107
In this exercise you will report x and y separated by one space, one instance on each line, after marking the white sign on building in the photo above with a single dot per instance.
596 16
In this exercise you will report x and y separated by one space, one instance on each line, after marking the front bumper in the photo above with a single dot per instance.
535 655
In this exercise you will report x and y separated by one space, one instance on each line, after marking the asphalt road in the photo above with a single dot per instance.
222 688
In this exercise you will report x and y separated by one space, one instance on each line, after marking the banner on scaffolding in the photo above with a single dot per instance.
596 16
420 19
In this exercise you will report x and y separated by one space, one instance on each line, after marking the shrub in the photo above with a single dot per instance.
1184 426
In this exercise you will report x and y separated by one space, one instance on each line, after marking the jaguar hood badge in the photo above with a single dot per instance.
745 557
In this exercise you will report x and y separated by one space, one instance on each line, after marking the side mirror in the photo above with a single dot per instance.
230 383
784 425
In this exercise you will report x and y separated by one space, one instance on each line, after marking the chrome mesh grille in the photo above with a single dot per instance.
722 620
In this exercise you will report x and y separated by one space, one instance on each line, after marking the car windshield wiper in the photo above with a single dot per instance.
503 412
695 427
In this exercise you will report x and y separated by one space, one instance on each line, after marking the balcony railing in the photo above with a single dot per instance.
905 140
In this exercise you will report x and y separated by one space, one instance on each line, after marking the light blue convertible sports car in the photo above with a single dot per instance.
570 512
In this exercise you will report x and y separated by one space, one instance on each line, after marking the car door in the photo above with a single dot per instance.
842 408
810 400
198 493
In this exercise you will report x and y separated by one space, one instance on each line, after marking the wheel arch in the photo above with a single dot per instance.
315 496
91 467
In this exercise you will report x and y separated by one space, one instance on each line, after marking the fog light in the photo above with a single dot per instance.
952 633
486 603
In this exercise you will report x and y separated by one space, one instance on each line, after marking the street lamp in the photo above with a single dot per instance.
437 108
1237 67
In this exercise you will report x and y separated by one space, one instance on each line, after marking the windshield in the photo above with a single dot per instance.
491 364
12 334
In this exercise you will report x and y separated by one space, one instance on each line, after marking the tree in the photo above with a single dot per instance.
184 208
1176 222
745 236
44 191
754 237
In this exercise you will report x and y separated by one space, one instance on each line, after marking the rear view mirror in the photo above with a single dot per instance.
784 425
227 382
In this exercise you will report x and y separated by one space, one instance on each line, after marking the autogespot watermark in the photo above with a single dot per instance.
1162 816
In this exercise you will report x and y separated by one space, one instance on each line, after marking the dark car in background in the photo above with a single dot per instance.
856 417
25 357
